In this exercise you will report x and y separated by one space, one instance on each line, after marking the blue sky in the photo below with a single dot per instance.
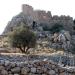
10 8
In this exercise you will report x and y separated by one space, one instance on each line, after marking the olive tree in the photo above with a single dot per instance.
22 38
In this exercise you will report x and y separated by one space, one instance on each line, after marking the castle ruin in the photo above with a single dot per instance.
28 15
36 15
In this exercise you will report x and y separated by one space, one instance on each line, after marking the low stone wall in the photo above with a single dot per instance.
33 68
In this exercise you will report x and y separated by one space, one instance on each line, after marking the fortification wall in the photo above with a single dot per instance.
37 15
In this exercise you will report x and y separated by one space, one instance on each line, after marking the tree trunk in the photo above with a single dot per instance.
26 50
22 50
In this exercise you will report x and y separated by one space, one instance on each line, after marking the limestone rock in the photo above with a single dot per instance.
4 72
2 67
51 72
15 70
63 73
33 70
12 64
2 62
61 70
25 70
43 74
16 74
7 63
10 74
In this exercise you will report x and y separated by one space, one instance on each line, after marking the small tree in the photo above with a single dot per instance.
22 38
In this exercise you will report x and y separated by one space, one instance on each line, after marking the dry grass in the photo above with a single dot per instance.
39 52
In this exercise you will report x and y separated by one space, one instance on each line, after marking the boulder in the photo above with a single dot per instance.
15 70
52 72
12 65
33 70
16 74
4 72
7 63
25 70
2 68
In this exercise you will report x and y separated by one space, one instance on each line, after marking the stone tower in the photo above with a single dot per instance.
36 15
27 10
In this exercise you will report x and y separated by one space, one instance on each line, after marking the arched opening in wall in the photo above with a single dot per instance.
34 24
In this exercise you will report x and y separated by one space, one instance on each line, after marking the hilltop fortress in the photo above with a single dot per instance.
28 15
43 21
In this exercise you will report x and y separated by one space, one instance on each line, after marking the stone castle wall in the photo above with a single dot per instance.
37 15
27 10
41 16
29 15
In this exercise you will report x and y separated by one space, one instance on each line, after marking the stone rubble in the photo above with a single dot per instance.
35 68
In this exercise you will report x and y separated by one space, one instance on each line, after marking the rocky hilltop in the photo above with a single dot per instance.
42 23
41 17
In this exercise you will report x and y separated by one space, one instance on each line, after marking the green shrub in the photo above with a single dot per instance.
22 38
56 28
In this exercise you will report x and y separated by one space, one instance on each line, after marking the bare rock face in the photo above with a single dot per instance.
16 21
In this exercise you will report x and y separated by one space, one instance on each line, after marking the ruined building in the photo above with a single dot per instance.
36 15
28 15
